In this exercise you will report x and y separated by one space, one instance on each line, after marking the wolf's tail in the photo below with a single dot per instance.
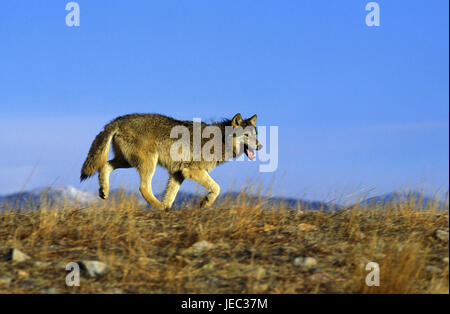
98 153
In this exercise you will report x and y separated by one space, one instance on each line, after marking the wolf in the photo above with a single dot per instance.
143 141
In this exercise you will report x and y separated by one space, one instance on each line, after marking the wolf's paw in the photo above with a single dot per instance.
207 201
166 208
102 194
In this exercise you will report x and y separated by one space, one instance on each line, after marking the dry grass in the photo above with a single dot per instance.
254 248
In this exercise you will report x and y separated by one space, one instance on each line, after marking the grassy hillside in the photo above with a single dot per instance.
235 247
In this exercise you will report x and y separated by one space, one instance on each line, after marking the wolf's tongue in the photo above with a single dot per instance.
250 154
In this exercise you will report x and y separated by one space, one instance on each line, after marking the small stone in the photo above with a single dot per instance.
203 245
199 248
305 262
93 269
5 280
442 235
445 260
22 273
15 256
433 269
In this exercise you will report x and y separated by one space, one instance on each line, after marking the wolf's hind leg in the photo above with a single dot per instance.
173 185
146 171
202 177
105 171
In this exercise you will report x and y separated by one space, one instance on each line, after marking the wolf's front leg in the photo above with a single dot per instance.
202 177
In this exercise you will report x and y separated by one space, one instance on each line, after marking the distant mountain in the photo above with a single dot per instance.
34 198
420 199
69 194
184 197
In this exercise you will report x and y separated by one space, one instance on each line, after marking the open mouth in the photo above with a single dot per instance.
249 152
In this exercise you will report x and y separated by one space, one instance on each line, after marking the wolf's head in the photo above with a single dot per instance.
245 140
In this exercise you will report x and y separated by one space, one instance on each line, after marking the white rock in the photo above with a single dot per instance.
15 256
93 269
5 280
305 261
23 274
433 269
199 248
442 235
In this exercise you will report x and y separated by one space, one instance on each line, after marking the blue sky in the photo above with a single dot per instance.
357 107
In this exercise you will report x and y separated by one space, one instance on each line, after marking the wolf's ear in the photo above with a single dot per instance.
237 120
252 120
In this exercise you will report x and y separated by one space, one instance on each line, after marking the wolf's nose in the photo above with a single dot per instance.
259 147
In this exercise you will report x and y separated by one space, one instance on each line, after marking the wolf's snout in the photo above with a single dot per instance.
259 146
